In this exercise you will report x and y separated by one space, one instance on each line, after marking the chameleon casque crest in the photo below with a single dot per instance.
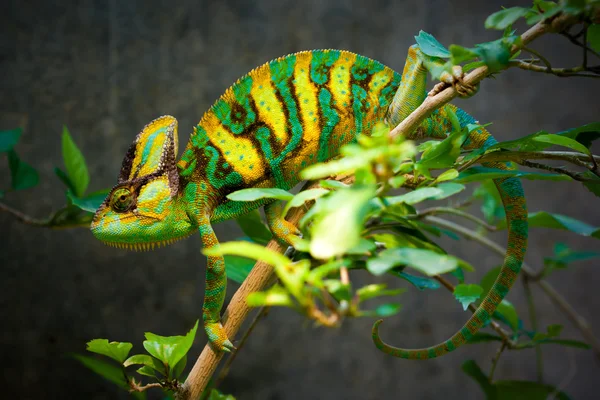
281 117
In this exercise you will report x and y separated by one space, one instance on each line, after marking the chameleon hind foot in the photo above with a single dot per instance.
217 337
284 231
454 79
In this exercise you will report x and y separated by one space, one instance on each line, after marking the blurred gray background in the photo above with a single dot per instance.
106 68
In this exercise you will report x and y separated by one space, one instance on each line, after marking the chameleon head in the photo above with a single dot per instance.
144 209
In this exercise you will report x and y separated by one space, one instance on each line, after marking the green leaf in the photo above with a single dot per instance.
302 197
339 290
169 349
90 203
430 46
491 206
489 278
448 189
376 290
565 342
508 312
563 141
74 163
563 256
316 275
23 175
467 294
274 296
447 175
478 174
216 395
481 337
145 359
525 390
424 261
178 369
445 154
108 371
419 282
593 36
461 54
118 351
384 310
62 175
253 194
8 139
416 196
496 54
332 184
543 219
337 227
254 228
238 268
147 371
502 19
250 250
471 368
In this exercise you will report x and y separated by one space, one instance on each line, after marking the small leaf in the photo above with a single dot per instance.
23 175
416 196
178 369
118 351
216 395
302 197
274 296
509 314
254 228
169 349
339 290
593 36
62 175
147 371
430 46
419 282
337 228
108 371
250 250
467 294
445 154
471 368
145 359
74 163
424 261
448 189
563 141
478 174
90 203
502 19
384 310
253 194
543 219
332 184
238 268
481 337
8 139
447 175
376 290
491 206
461 54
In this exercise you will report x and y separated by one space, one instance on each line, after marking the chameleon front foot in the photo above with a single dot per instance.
456 80
217 337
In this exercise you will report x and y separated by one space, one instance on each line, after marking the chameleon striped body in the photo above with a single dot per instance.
282 116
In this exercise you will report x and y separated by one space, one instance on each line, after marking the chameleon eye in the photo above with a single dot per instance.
122 199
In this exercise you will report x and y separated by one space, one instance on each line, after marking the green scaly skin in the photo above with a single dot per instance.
281 117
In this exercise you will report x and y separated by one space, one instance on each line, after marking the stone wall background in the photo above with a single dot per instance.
106 68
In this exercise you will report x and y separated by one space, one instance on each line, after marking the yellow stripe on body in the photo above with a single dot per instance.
270 110
341 93
239 152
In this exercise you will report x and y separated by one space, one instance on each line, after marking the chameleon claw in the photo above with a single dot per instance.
217 337
455 79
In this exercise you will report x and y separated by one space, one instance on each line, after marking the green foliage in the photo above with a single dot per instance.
478 174
254 228
238 268
511 390
425 261
75 164
169 349
593 36
430 45
543 219
23 175
467 294
505 18
563 256
216 395
118 351
89 203
9 138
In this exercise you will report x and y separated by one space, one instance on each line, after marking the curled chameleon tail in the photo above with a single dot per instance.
511 193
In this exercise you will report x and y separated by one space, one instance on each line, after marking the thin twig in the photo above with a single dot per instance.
227 366
560 72
22 217
455 211
575 318
579 159
578 43
495 360
542 58
577 176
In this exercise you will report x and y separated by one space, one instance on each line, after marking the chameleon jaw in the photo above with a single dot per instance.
143 246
